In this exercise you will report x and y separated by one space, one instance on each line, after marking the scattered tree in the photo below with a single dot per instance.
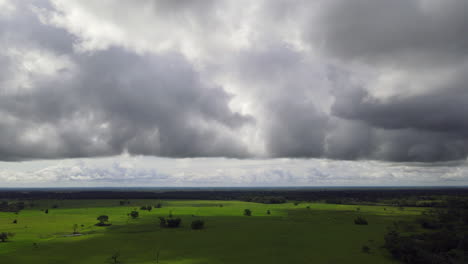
4 236
247 212
158 205
114 259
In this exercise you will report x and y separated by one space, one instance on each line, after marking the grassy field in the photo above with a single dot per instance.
325 233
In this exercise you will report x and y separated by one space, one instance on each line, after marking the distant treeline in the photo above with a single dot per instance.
428 197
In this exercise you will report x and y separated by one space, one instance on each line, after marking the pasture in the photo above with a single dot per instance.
302 233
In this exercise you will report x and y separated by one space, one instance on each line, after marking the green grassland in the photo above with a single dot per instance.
325 233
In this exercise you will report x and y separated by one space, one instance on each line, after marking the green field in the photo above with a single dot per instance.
325 233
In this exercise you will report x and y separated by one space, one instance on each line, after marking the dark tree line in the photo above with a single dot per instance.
393 196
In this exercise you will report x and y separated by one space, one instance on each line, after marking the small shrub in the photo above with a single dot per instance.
268 212
360 221
46 211
198 224
15 221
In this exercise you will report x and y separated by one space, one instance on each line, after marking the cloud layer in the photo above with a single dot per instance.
141 171
361 79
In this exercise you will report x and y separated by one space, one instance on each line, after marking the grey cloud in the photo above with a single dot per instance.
308 73
112 101
394 31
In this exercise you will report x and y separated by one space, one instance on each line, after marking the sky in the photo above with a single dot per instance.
233 93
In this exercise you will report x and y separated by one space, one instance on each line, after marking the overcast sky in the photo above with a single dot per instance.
233 93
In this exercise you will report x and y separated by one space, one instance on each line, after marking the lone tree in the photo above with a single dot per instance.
4 236
268 212
134 214
247 212
103 219
46 211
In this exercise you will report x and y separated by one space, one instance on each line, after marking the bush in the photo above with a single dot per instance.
247 212
360 221
198 224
